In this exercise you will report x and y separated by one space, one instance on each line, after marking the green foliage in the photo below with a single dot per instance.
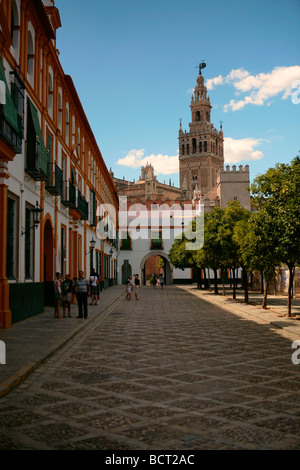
257 241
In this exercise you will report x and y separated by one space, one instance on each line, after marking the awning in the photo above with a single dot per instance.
10 112
43 161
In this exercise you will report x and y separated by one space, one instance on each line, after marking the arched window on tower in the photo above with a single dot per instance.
182 149
207 115
198 116
200 147
205 146
194 143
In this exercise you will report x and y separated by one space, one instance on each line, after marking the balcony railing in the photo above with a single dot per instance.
156 245
36 162
10 135
82 206
69 199
55 180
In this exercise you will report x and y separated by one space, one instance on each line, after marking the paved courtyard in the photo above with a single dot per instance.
170 371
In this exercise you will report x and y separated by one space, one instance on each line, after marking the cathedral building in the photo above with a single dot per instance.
201 152
204 181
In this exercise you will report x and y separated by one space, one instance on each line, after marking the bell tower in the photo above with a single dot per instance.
201 149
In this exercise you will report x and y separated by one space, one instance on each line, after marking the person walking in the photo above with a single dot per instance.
67 286
154 280
74 296
57 294
94 280
161 281
82 290
137 284
129 286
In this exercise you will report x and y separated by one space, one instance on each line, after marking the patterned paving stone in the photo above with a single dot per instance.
168 372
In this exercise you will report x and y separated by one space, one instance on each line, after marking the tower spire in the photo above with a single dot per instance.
201 66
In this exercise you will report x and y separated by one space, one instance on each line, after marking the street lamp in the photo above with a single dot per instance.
93 244
36 212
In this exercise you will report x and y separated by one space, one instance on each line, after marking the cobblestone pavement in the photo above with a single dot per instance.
170 371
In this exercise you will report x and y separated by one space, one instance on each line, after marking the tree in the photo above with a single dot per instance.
240 237
259 247
212 249
179 256
233 214
277 191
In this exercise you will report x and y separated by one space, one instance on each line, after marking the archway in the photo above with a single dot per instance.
167 267
48 264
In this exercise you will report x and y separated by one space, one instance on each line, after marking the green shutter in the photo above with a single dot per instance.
10 111
43 158
156 240
126 242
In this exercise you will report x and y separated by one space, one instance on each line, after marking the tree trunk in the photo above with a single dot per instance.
251 278
234 284
198 278
290 290
209 288
223 280
204 278
245 285
264 304
216 281
262 282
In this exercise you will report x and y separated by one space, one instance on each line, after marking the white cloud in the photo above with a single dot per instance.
211 82
259 88
237 150
162 164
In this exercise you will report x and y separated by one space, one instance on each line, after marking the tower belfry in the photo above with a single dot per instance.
201 149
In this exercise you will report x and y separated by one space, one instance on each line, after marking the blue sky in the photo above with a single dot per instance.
134 67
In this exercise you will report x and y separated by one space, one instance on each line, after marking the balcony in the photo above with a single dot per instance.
55 180
82 206
9 134
36 153
69 199
77 204
156 241
11 120
36 161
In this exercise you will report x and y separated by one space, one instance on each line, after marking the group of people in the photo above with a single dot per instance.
66 289
158 281
133 285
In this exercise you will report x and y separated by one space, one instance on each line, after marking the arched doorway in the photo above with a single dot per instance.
126 271
48 264
151 259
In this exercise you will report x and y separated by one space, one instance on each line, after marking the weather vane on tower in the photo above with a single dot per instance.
201 66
